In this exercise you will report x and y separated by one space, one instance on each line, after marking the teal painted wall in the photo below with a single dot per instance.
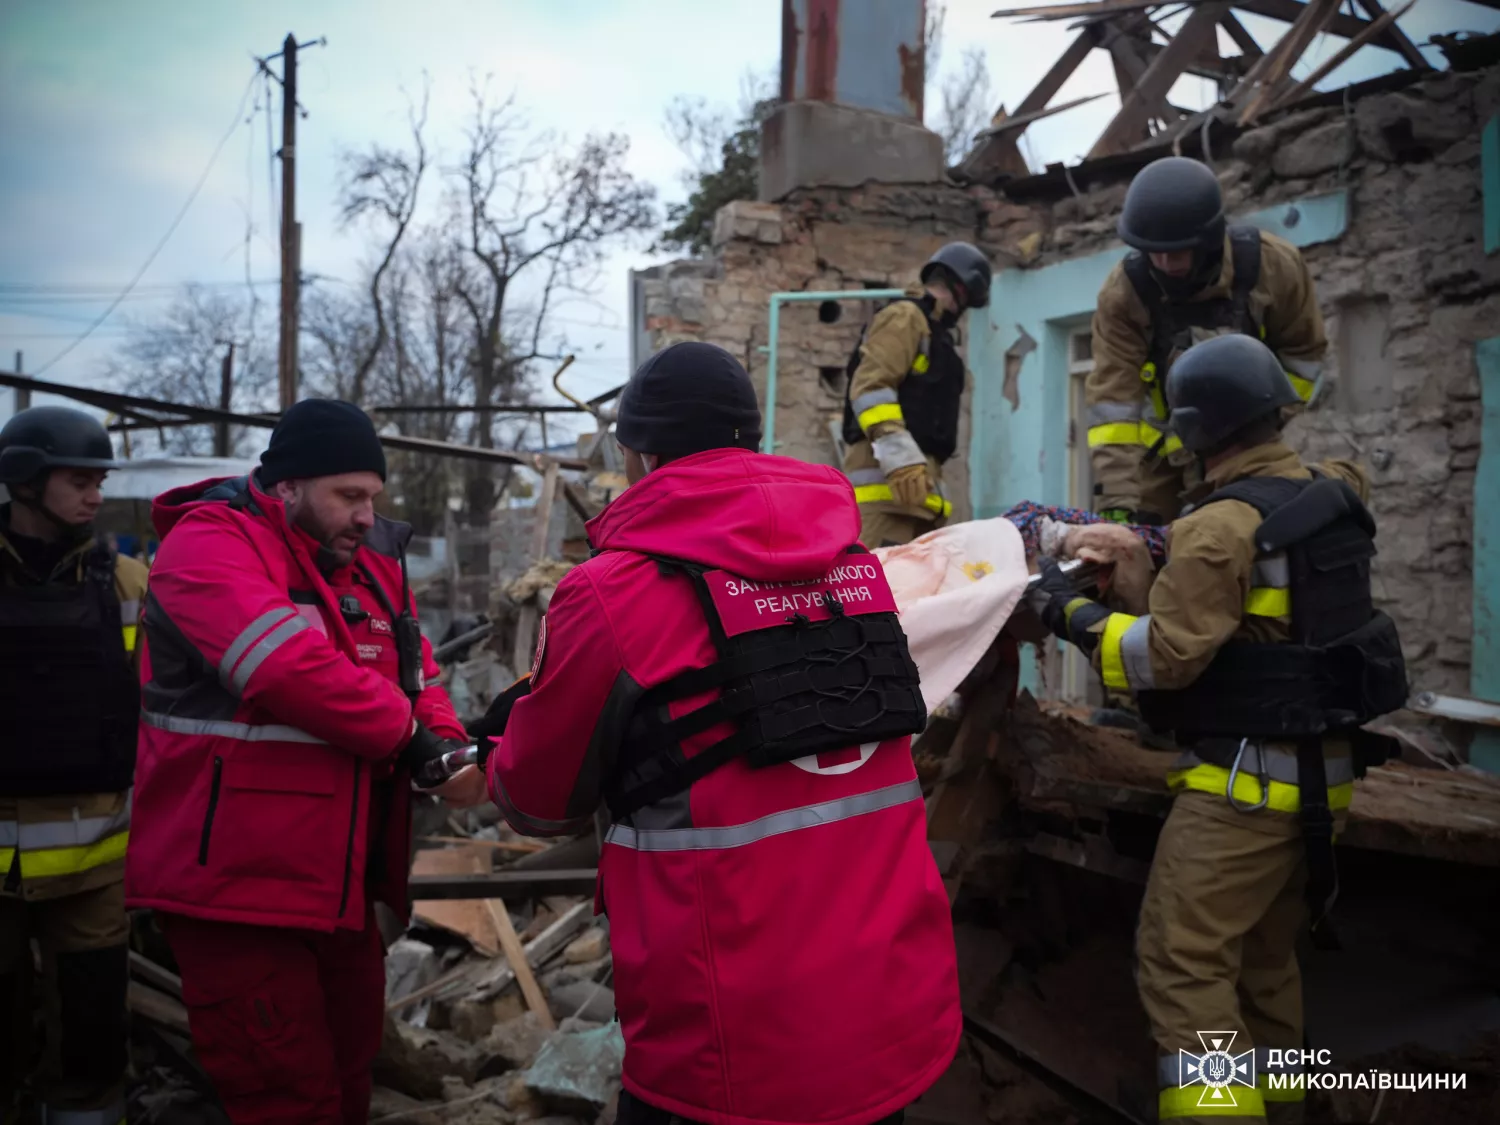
1022 452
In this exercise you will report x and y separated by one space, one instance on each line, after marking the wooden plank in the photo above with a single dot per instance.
1158 79
524 652
541 949
1290 11
544 505
1387 19
1017 123
1068 11
505 884
468 919
1284 56
1242 38
1394 38
510 942
1130 69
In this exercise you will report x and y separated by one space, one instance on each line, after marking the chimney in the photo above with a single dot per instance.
852 74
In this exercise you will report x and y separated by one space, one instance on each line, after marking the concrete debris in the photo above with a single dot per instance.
516 1041
414 1061
473 1020
395 1108
590 972
544 575
590 946
410 965
583 1000
579 1071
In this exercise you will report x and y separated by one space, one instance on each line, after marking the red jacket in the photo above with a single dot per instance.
800 973
265 777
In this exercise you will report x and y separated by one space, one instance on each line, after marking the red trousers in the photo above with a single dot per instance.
285 1022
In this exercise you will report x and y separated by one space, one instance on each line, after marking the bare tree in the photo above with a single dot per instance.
967 105
536 220
384 182
178 358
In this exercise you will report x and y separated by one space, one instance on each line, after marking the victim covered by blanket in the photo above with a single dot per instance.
956 587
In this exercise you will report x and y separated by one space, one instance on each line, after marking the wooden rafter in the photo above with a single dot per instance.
1287 11
1258 90
1321 72
1165 69
1393 37
1242 38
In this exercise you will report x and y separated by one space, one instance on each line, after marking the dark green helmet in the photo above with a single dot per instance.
44 438
1220 386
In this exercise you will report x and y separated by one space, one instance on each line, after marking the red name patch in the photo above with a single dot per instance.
380 625
744 606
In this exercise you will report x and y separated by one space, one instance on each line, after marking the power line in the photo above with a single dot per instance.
140 273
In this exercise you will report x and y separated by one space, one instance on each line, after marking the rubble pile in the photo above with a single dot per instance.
473 1039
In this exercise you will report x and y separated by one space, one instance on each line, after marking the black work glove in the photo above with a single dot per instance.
1068 614
493 723
422 753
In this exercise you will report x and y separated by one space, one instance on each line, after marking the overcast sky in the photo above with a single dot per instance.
110 112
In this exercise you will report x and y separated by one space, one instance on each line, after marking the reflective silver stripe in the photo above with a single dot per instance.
1103 413
1169 1072
737 835
130 611
1309 369
1135 654
1148 411
113 1115
248 636
221 729
865 476
1281 765
264 648
879 397
76 833
9 833
1272 571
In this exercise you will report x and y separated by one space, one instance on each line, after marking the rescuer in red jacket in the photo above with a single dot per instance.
287 696
728 675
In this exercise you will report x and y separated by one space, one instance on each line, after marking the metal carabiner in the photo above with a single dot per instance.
1263 775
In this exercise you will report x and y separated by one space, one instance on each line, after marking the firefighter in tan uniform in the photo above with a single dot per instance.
1190 277
69 705
1261 656
906 383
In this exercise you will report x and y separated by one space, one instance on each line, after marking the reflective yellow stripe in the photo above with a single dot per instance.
129 631
1154 390
48 862
1283 797
1279 1094
881 493
885 412
1111 663
1303 387
1150 434
1117 433
7 857
1182 1101
919 365
1268 601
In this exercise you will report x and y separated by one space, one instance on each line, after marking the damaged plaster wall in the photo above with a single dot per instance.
1407 292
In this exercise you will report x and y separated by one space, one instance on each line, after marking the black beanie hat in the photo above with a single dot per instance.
321 437
689 398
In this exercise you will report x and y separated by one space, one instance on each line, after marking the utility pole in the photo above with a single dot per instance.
226 387
23 394
291 230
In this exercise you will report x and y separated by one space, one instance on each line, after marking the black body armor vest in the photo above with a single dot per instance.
1172 322
803 668
929 399
69 699
1343 666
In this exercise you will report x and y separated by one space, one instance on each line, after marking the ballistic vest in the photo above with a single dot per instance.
69 698
803 668
1343 665
929 396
